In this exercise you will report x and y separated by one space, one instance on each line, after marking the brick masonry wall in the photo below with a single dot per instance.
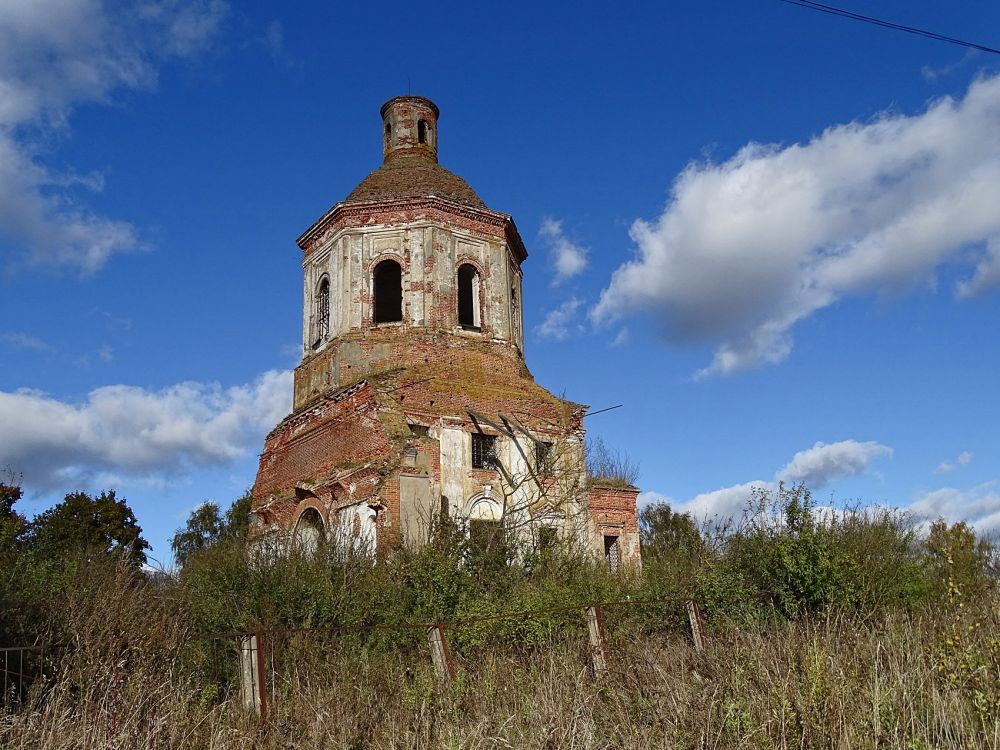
613 512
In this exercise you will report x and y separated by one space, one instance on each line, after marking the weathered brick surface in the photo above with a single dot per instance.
376 402
614 513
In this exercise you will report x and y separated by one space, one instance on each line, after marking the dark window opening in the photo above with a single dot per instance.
388 287
468 296
421 131
543 457
322 312
487 544
548 538
484 451
611 553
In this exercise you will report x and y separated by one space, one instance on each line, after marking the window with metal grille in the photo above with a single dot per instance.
611 553
543 457
322 311
484 451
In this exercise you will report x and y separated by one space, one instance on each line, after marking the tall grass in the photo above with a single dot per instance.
834 681
852 632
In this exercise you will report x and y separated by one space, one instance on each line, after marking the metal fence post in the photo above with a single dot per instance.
440 655
694 617
595 628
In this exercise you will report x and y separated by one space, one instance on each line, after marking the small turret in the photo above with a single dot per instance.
409 128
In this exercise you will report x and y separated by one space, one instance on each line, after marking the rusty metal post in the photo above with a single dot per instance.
440 655
595 628
697 627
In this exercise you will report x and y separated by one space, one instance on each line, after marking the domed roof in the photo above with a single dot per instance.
412 177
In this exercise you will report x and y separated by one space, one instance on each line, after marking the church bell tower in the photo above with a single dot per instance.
413 399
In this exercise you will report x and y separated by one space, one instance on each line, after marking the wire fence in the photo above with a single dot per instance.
25 666
262 664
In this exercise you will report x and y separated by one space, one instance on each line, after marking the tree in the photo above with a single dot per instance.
85 525
238 515
206 526
961 563
666 534
12 523
203 529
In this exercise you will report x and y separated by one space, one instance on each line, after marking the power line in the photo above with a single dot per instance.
889 25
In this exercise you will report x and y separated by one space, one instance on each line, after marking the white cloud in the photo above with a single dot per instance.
54 55
818 465
562 322
948 467
815 467
124 430
979 506
568 258
19 340
723 503
621 338
747 248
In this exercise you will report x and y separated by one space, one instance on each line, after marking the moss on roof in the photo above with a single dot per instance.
414 176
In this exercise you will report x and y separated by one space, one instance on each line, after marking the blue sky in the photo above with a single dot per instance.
770 233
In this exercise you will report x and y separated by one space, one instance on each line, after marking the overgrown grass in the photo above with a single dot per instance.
853 631
834 681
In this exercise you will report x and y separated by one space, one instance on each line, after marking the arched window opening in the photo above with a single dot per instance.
487 537
387 283
468 296
309 532
322 312
421 131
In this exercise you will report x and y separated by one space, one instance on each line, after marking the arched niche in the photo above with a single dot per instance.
309 532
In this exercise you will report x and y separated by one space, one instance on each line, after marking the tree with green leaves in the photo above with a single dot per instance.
666 534
962 564
84 525
206 526
12 523
203 529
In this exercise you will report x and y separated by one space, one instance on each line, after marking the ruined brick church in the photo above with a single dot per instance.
413 399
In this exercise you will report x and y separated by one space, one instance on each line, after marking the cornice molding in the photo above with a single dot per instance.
346 210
